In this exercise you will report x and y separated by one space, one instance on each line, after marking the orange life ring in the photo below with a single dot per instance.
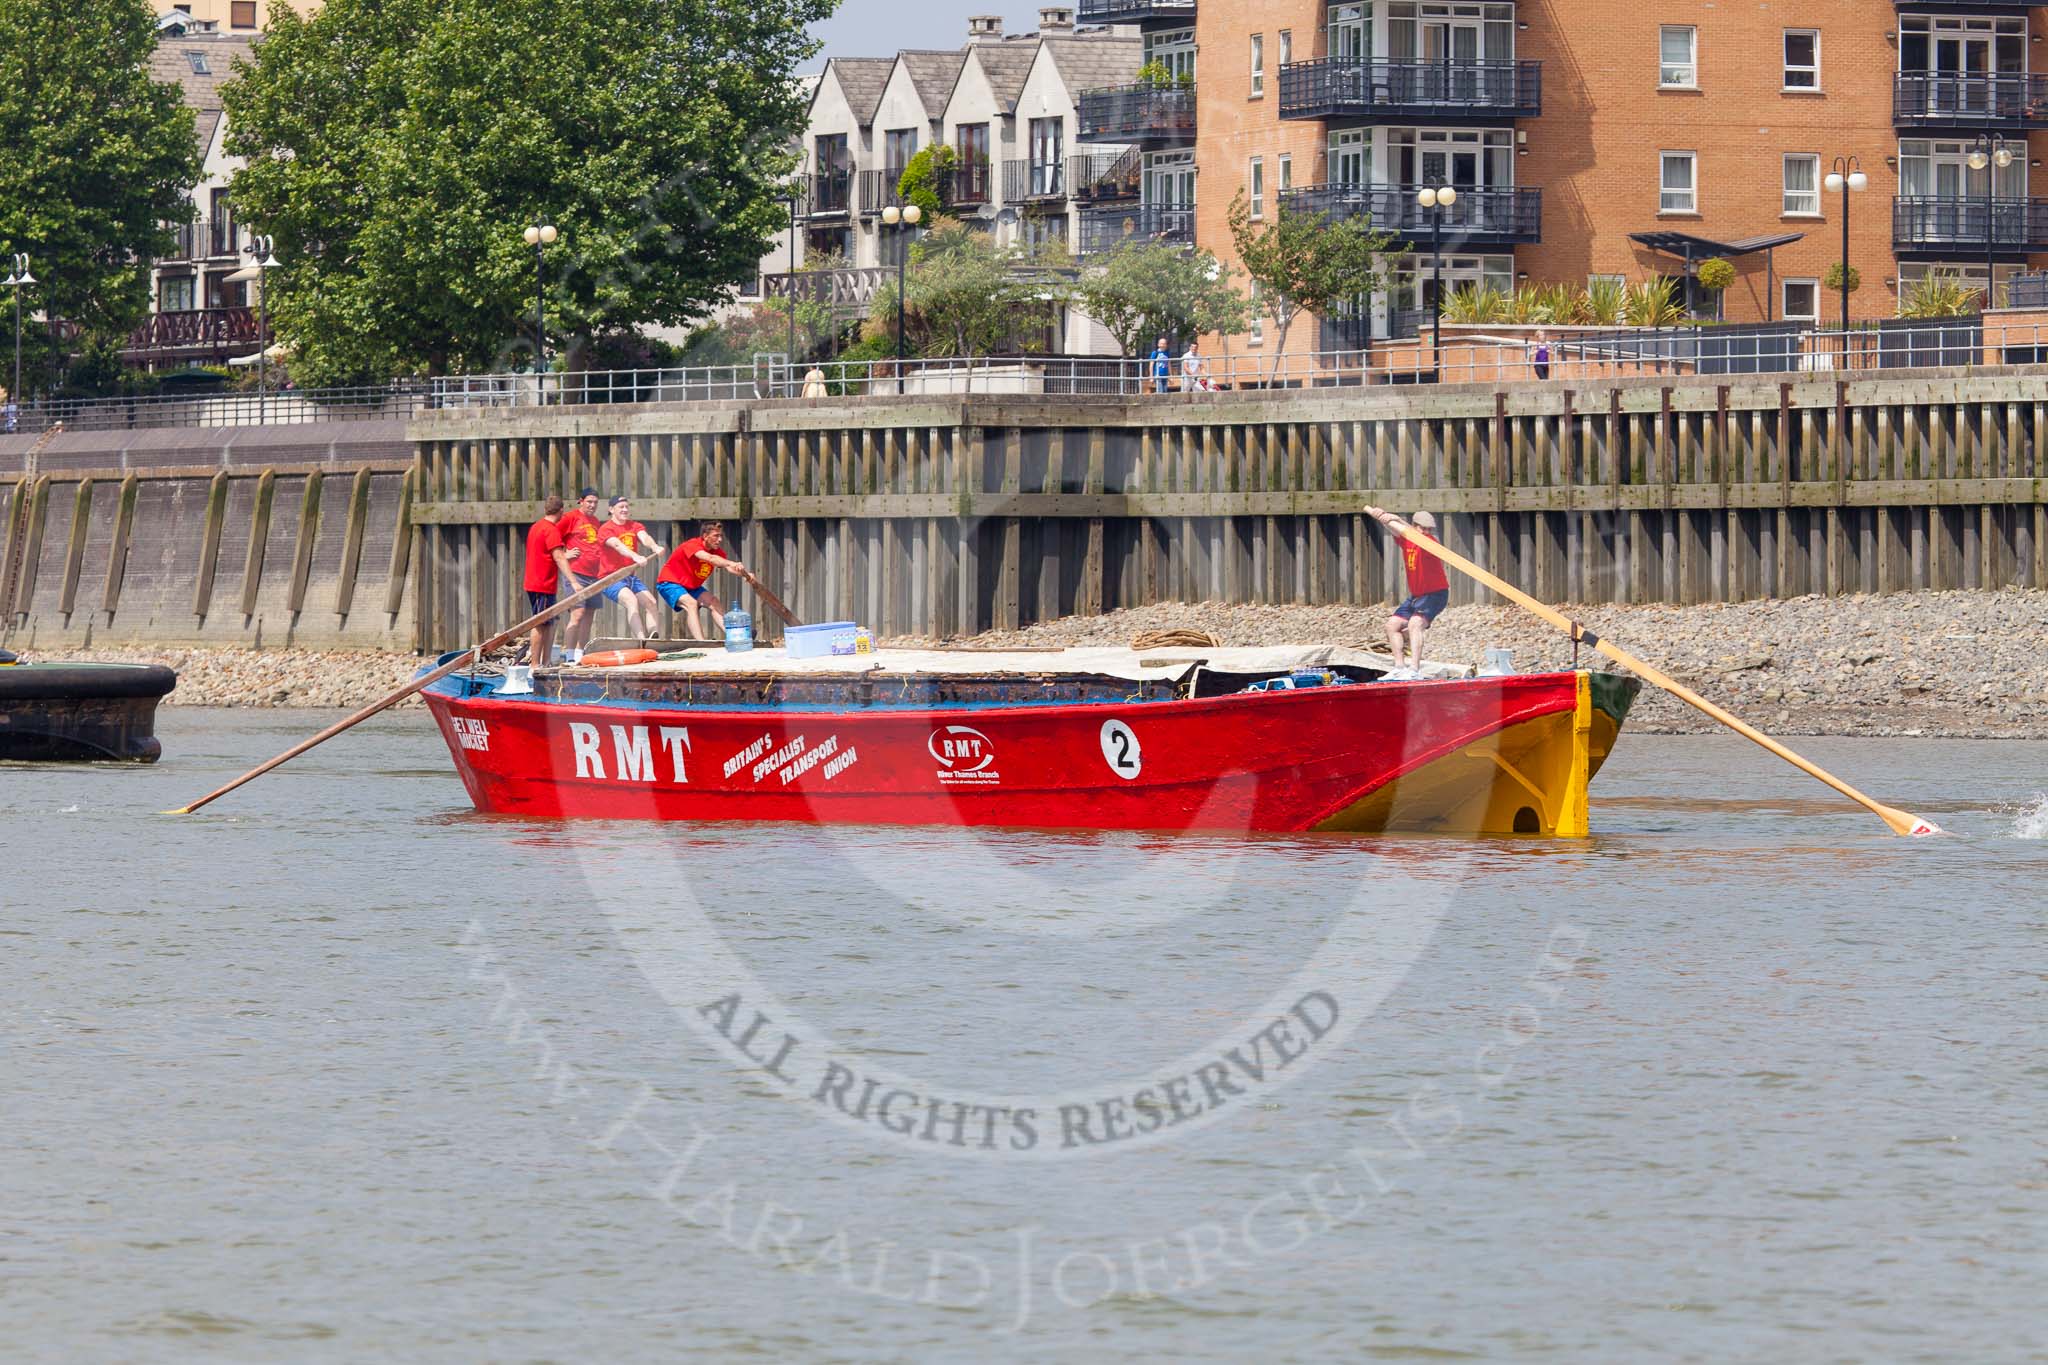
619 658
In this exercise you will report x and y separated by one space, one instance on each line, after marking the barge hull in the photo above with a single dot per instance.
1486 755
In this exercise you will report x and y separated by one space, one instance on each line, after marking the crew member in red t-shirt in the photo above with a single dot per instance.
546 561
579 537
1429 592
689 569
622 541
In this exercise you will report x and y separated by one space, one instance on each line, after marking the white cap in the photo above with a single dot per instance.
1424 520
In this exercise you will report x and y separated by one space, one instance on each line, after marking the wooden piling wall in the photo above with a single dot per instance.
950 515
947 516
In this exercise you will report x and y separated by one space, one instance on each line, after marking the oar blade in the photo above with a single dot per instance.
1907 824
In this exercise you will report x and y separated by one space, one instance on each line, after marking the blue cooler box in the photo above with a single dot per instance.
815 642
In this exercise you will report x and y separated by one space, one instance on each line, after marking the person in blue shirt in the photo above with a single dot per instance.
1162 367
10 413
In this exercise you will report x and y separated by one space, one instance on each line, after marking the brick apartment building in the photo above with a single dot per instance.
233 16
1599 138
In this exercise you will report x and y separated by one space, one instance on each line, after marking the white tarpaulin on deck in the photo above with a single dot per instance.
1103 661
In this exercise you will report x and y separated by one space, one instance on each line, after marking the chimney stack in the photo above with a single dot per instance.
1056 19
985 28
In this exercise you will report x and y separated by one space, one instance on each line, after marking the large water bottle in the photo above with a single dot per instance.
739 631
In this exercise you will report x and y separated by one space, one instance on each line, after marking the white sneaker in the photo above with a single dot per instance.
1398 675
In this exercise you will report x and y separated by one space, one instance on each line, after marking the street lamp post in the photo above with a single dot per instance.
902 220
263 249
790 199
540 236
1847 175
1989 152
1436 198
16 279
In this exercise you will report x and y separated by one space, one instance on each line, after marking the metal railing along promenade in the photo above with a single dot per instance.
1468 355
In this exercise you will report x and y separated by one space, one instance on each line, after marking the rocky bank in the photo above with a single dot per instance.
1962 664
1956 664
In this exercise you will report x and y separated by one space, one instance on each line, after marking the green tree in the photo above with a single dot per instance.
98 157
397 149
967 296
1308 261
928 180
1145 290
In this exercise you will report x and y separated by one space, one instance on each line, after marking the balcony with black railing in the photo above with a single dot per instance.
878 190
1105 229
1144 114
1931 226
1927 100
1135 11
1040 182
970 184
1480 218
1963 6
828 193
1411 91
1105 177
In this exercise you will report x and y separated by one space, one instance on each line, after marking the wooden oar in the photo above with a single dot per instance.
469 658
1900 821
788 617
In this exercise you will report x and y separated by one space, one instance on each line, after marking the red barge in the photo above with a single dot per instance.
1272 740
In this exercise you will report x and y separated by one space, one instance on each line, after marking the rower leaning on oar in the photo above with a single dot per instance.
1900 821
579 537
1429 592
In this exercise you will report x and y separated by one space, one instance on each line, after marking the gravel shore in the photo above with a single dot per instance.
345 679
1956 665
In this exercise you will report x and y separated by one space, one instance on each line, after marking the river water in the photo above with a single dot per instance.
338 1070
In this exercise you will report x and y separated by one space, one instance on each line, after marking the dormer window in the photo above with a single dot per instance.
198 61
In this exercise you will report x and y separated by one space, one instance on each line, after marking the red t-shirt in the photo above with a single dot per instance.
685 568
1425 570
627 535
579 536
543 538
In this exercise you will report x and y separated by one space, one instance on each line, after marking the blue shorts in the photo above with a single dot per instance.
538 602
673 594
630 583
1428 606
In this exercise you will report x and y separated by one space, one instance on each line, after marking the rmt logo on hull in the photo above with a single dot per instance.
963 754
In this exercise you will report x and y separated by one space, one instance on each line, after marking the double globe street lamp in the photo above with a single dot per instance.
901 220
17 279
1436 198
540 236
263 250
1847 175
1989 151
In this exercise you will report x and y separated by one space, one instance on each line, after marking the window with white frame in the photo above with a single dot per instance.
1258 333
1800 301
1802 59
1678 53
1286 46
1802 185
1258 65
1286 179
1173 49
1258 187
1678 183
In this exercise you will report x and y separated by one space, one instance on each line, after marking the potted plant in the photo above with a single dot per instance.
1715 274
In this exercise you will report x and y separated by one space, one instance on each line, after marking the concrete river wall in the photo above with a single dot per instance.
945 515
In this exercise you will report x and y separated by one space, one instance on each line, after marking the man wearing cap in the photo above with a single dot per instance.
1429 592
